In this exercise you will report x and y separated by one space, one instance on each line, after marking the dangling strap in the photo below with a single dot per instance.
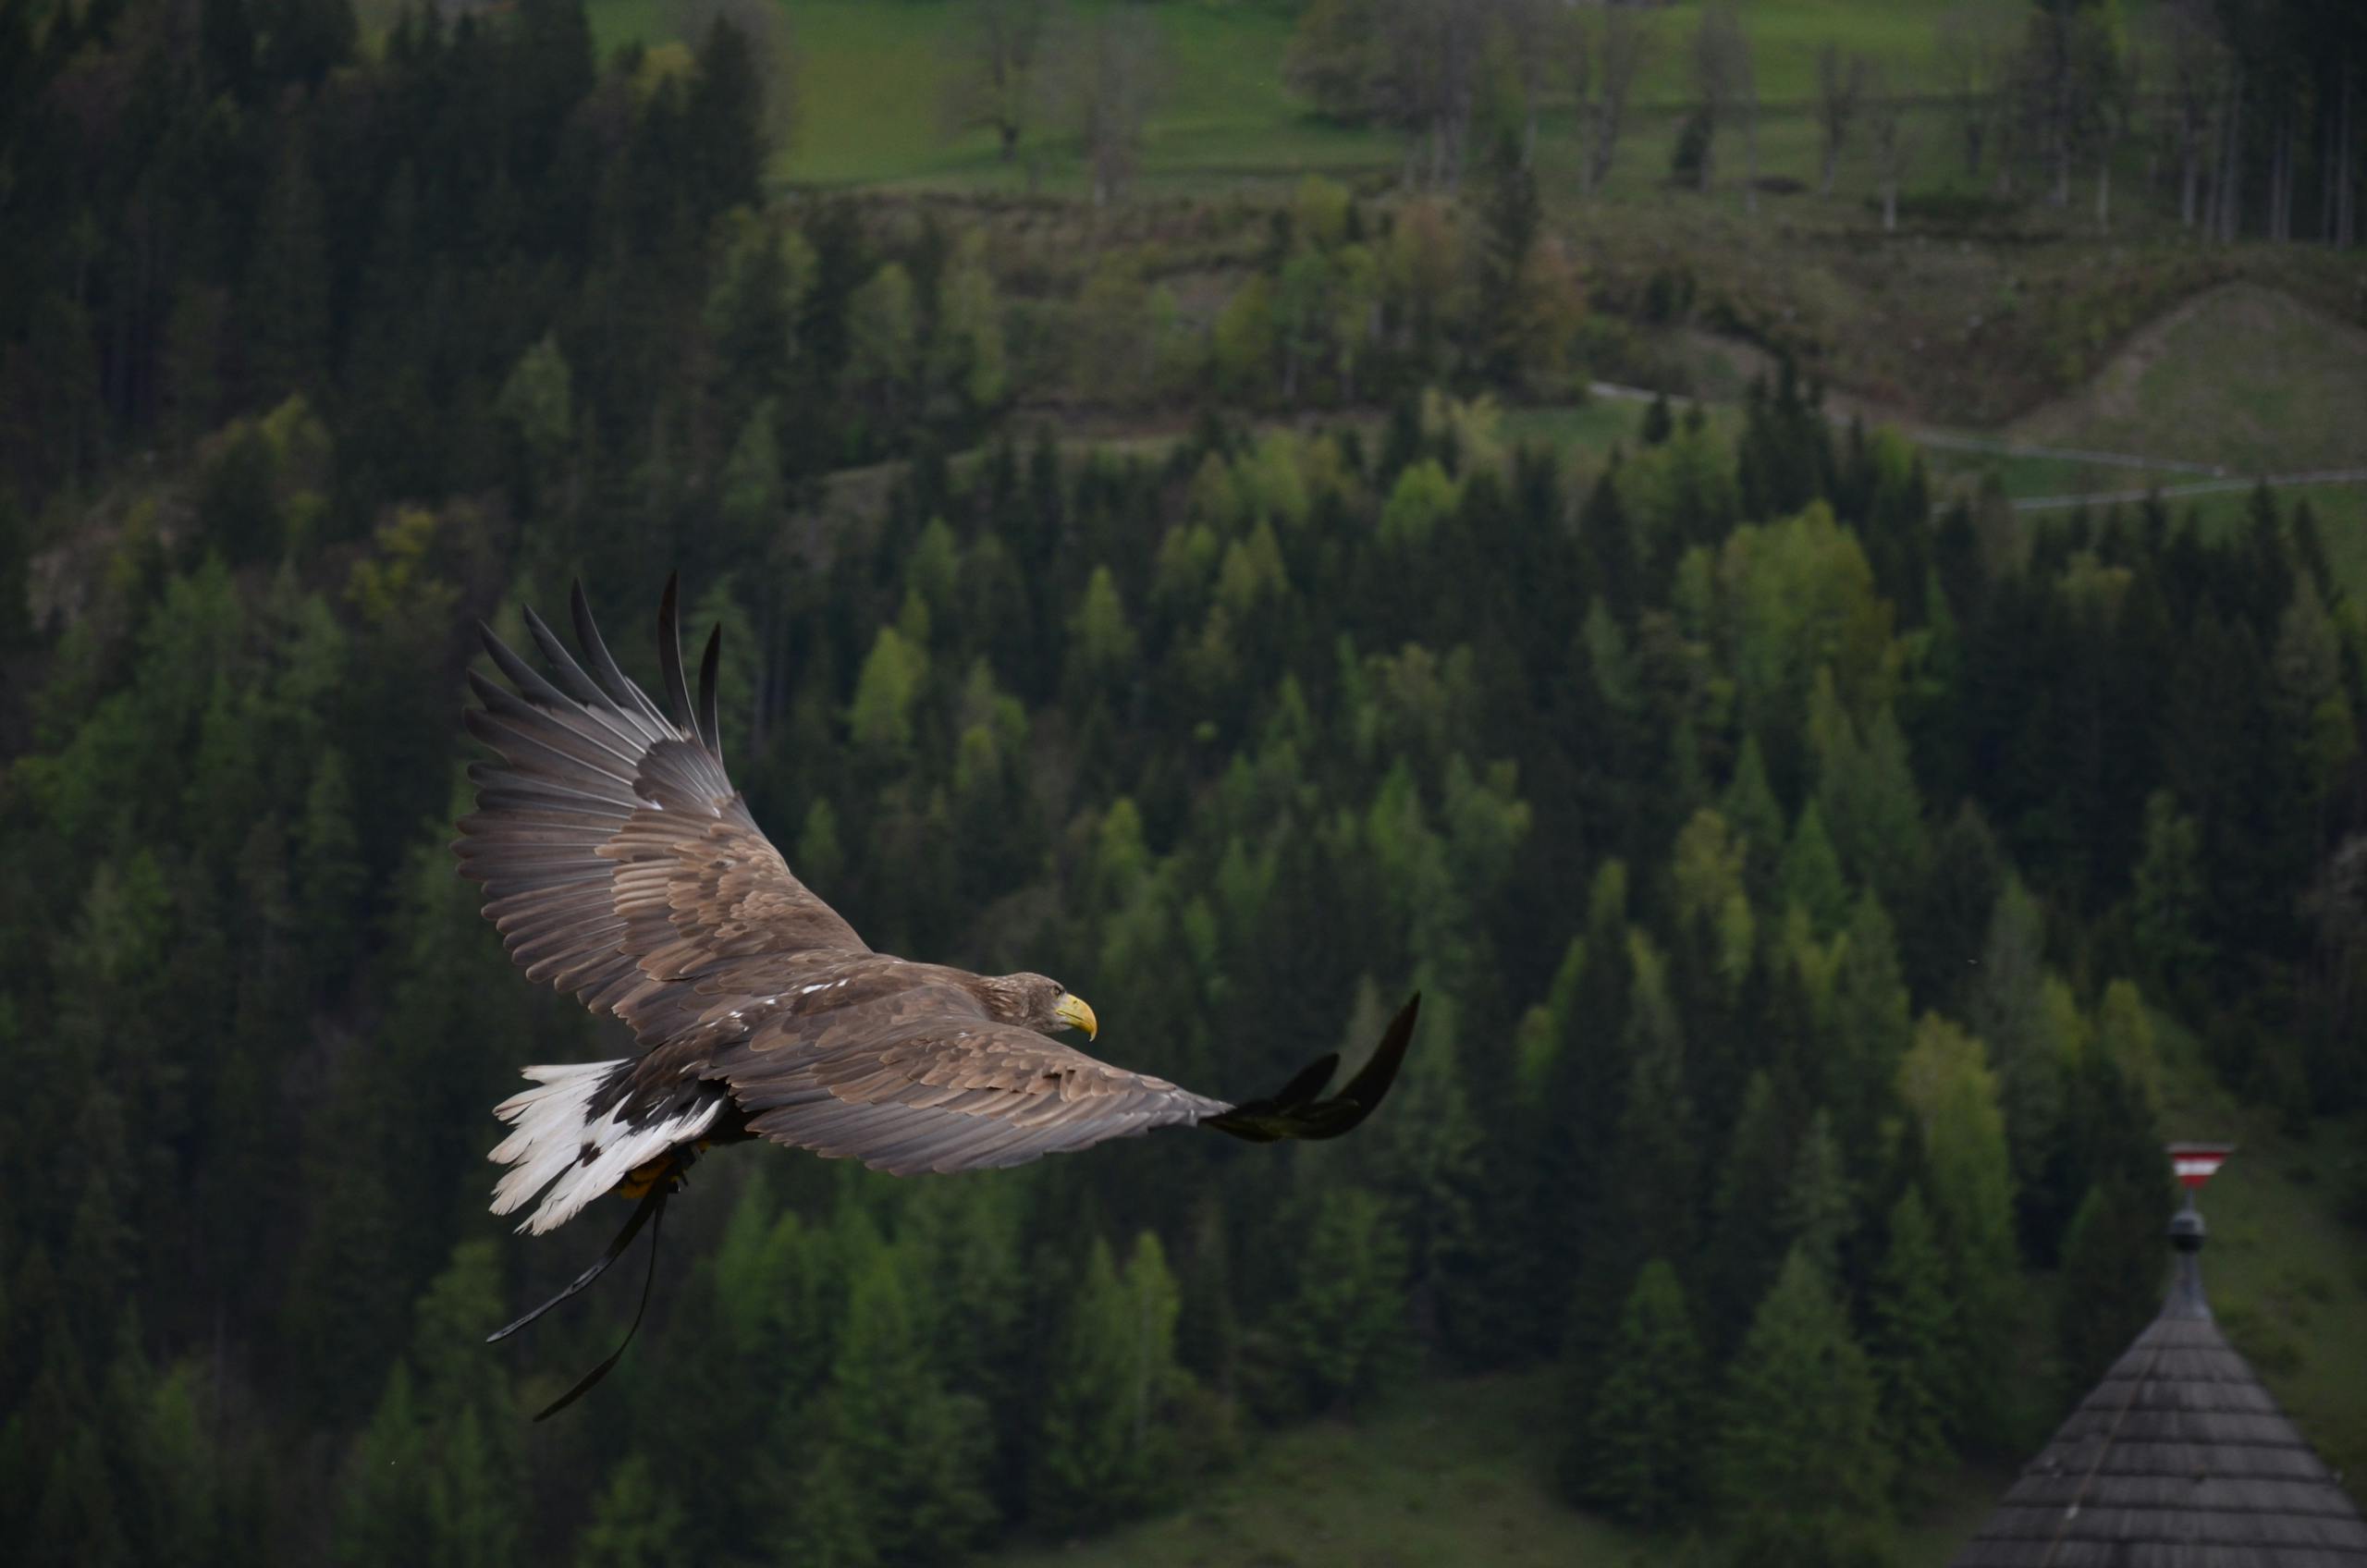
651 1202
655 1206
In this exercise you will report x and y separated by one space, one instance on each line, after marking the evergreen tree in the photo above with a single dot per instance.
1913 1344
1747 1240
285 304
913 1454
1105 1453
636 1523
2110 1284
1343 1330
1967 1178
1811 878
1818 1214
1799 1466
1635 1453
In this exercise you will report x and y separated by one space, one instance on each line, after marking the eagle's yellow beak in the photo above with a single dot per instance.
1076 1013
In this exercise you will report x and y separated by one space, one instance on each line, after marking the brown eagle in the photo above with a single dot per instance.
622 866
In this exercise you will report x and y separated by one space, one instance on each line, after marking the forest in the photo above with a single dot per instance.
1802 861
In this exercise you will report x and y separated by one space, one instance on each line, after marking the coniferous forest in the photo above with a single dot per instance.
1800 868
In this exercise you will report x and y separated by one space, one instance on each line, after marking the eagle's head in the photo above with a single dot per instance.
1035 1001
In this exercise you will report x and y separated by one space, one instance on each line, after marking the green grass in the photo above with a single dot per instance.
1446 1472
2241 375
872 75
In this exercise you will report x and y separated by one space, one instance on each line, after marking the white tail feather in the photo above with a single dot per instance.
552 1127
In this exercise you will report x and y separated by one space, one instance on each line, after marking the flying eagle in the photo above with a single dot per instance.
621 864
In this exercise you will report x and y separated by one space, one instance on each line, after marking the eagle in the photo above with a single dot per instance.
623 866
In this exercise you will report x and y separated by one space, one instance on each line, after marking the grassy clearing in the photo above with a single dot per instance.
2241 375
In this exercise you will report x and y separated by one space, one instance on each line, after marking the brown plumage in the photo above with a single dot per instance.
622 866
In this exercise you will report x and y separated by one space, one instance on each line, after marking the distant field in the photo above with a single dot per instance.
872 73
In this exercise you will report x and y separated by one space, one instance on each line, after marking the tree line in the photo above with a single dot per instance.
2248 111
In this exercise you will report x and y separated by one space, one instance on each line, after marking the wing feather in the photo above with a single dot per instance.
617 859
948 1093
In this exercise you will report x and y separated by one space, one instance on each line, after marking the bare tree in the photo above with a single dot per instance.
1886 128
1721 74
997 50
2226 190
1426 58
1568 43
1115 74
1608 60
2070 73
2109 126
1523 30
1840 90
1973 50
2197 74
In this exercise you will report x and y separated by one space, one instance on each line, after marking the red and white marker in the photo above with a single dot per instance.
2196 1163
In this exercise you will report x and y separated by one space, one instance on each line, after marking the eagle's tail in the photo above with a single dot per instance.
577 1133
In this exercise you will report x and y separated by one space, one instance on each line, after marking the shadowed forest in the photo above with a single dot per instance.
1829 882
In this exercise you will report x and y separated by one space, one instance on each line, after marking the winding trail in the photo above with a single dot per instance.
2219 479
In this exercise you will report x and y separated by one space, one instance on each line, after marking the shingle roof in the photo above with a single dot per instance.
2179 1459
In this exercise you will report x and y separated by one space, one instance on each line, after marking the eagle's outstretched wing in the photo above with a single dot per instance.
619 862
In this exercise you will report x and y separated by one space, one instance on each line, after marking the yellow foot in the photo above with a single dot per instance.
638 1181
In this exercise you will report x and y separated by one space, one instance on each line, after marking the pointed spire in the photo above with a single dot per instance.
2179 1456
2193 1164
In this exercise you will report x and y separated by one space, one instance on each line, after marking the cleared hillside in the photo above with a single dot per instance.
2242 375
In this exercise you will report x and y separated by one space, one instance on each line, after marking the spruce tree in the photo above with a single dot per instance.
1799 1468
1967 1178
1344 1328
636 1521
1810 877
914 1455
1745 1244
1912 1343
1105 1450
1634 1453
2110 1283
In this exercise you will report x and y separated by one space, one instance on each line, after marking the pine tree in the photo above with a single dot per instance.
1967 1178
1634 1451
1746 1242
1872 1024
1343 1329
1811 877
285 304
914 1454
2167 897
1104 1452
1799 1468
2110 1284
1818 1213
636 1521
1913 1344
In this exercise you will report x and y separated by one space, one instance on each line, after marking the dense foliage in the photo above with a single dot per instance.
1797 876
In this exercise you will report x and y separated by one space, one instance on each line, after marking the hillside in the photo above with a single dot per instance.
2239 375
1459 1471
